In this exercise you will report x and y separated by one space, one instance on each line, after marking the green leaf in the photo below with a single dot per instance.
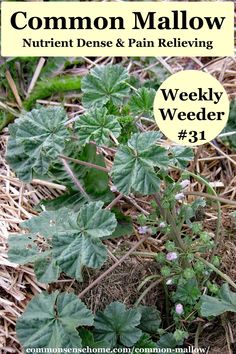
36 139
47 223
188 211
215 306
142 101
180 336
100 188
79 244
150 319
181 156
88 340
46 270
187 292
124 224
128 128
86 175
72 200
133 168
97 125
35 247
50 321
23 248
145 342
104 84
167 341
118 325
75 237
231 126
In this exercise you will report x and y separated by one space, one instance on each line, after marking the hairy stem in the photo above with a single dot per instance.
212 197
84 163
217 271
167 215
74 179
216 198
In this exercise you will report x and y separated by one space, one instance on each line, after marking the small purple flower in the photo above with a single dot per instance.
113 189
179 309
169 282
185 183
179 196
162 224
171 256
143 230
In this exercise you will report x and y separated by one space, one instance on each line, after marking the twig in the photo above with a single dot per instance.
114 266
133 202
224 324
74 179
223 153
36 75
13 87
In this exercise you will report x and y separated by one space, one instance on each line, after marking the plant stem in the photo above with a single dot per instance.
144 293
167 303
114 266
213 197
203 181
166 214
74 179
217 271
114 202
84 163
147 279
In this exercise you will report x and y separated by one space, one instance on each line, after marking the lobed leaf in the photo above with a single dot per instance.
79 244
35 141
187 292
150 319
118 325
141 103
215 306
167 341
64 240
50 321
133 168
145 342
105 84
97 125
181 156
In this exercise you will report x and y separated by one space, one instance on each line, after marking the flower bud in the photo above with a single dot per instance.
143 230
113 189
171 256
179 196
185 183
169 282
179 309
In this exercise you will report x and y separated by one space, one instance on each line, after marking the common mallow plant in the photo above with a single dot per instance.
70 234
